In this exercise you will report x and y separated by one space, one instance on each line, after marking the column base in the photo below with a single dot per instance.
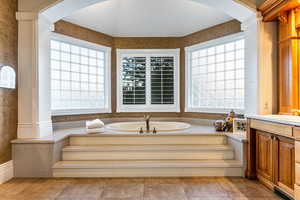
38 130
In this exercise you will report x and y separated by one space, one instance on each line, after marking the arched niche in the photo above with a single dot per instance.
36 20
7 77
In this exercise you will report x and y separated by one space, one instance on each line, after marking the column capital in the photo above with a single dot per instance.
32 16
27 16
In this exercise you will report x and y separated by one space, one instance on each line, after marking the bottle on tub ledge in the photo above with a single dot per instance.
229 121
227 124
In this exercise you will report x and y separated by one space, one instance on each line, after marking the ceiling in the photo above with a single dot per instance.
148 18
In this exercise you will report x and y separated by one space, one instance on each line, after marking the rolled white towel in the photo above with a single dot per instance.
94 124
95 130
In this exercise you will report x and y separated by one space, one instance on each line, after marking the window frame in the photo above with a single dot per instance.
148 107
188 69
107 75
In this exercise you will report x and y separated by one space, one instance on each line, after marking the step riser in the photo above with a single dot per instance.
155 140
148 155
134 148
149 172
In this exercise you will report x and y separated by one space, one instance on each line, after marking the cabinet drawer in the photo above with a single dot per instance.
296 133
270 127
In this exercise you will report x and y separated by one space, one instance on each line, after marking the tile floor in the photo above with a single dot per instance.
135 189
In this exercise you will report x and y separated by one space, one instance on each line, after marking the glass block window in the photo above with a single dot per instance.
215 76
79 77
148 80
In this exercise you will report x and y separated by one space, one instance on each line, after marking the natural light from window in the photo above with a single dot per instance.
79 77
7 77
215 75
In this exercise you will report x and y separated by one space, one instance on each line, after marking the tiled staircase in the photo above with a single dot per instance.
148 156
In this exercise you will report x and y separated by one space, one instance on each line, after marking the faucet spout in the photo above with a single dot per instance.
147 121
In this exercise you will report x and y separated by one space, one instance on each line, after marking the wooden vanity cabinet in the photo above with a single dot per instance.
275 161
272 147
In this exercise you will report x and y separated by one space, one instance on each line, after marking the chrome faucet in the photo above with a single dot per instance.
147 121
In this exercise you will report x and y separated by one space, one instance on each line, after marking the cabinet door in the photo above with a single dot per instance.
286 164
285 77
264 156
288 65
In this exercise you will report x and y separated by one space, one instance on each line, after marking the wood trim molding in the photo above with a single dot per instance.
6 171
271 8
283 18
251 152
275 128
249 4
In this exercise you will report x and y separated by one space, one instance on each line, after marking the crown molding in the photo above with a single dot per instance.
271 9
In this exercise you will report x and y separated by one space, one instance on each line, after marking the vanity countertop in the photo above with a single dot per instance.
282 119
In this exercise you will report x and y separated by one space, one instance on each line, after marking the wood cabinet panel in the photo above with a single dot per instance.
296 133
272 127
288 69
286 164
297 152
285 75
297 172
264 155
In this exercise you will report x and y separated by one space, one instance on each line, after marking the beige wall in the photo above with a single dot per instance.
145 43
8 56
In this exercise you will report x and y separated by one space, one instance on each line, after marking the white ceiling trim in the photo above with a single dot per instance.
121 23
66 7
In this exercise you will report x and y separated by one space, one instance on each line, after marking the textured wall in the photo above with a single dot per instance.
8 56
145 43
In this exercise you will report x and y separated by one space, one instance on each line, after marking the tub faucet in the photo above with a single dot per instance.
147 121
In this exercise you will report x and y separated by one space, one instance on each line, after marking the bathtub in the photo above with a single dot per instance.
159 126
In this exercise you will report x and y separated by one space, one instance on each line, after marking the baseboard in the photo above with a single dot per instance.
6 171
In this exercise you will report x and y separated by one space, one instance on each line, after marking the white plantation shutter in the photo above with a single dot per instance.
148 80
134 80
162 80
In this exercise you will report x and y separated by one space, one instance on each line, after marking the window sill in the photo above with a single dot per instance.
143 110
79 111
214 111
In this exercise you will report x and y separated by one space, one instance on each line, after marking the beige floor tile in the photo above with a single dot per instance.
164 192
205 187
85 189
135 189
129 190
118 181
133 198
163 181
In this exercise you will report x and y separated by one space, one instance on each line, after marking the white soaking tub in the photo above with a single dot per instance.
159 126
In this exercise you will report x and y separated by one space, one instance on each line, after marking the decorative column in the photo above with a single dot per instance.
34 112
260 66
